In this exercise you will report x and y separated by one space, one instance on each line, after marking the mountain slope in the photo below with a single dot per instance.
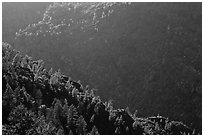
143 55
41 102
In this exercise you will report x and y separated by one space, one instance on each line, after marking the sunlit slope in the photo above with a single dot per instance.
17 15
143 55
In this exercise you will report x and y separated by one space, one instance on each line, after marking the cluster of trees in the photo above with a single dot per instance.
143 55
41 102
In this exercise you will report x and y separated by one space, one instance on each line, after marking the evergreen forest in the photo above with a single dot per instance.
73 68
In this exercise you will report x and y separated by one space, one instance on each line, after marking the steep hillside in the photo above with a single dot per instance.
143 55
40 102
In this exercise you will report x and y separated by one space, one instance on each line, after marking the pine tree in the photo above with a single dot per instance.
94 131
60 132
57 110
81 126
72 117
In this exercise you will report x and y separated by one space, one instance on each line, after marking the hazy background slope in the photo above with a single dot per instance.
17 15
143 55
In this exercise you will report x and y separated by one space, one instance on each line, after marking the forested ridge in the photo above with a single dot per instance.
146 56
41 102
